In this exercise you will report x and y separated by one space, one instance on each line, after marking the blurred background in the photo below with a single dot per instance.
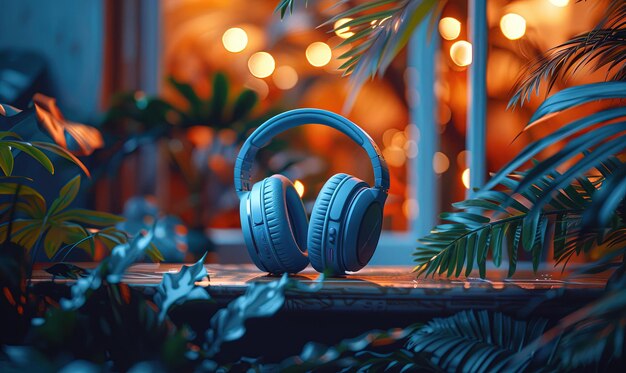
174 87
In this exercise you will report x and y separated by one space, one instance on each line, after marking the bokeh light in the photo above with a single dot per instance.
465 178
441 163
259 86
285 77
461 53
235 39
343 32
513 26
261 64
318 54
559 3
449 28
299 187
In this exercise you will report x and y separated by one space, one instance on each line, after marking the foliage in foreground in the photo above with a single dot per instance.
127 330
35 223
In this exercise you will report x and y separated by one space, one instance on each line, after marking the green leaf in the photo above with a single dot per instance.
66 196
89 217
185 90
220 96
460 248
4 134
35 200
244 104
55 149
478 204
483 249
529 229
6 160
33 152
497 233
464 217
472 241
560 235
53 240
154 254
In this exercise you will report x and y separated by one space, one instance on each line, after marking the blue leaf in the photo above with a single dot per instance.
176 288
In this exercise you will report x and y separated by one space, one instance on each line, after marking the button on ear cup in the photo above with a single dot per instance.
286 222
318 218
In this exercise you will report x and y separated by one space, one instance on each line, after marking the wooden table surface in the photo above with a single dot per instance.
393 289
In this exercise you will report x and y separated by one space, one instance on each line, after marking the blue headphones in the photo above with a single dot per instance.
346 220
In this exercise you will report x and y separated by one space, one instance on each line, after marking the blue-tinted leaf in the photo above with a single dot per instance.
577 95
176 288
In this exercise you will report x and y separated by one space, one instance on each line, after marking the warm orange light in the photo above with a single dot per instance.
461 53
235 39
343 32
410 208
449 28
465 178
441 163
513 26
559 3
462 157
261 64
200 136
299 187
395 156
318 54
259 86
285 77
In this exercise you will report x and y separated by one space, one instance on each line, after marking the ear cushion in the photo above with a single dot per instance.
286 223
318 218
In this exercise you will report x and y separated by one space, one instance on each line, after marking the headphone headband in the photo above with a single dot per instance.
294 118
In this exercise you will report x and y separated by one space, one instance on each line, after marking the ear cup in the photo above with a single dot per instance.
318 217
275 226
286 223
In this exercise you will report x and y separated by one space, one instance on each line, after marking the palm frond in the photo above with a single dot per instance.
375 350
476 341
605 45
381 29
591 336
590 136
493 224
284 6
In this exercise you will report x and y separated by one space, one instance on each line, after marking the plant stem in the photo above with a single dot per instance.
12 213
35 251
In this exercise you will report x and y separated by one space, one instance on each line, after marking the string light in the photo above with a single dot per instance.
299 187
343 32
449 28
261 64
235 39
513 26
285 77
465 178
318 54
461 53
